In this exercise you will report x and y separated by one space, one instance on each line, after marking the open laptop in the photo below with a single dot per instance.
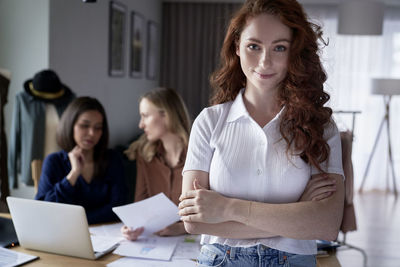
53 227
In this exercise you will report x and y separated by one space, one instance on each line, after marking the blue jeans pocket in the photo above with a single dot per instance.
211 255
296 260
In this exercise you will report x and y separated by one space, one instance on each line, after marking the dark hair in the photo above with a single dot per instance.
305 117
65 131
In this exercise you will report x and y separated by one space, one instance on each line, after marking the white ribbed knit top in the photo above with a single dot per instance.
248 162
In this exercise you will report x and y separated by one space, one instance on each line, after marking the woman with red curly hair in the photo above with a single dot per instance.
263 176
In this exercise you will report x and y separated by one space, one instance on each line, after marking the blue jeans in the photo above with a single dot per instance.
257 256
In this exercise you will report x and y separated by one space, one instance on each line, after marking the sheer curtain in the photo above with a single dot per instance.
192 37
351 62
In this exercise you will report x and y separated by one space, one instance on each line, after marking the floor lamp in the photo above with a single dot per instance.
387 88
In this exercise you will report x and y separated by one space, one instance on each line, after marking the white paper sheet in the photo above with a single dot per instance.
132 262
10 258
150 247
112 230
104 243
188 247
105 236
154 214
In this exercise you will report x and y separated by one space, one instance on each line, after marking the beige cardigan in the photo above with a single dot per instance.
156 176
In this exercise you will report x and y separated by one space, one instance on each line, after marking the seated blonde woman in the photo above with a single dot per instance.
160 152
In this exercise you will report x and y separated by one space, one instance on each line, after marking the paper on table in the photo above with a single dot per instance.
188 247
10 258
111 230
104 243
132 262
151 247
153 213
105 237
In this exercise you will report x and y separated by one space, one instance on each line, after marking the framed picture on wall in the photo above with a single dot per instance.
136 45
152 51
116 51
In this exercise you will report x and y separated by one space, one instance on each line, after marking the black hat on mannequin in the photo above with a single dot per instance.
46 86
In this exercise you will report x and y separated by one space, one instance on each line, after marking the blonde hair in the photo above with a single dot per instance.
171 104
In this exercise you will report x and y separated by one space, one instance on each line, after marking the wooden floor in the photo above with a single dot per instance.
378 222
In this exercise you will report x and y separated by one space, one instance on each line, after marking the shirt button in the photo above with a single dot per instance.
259 172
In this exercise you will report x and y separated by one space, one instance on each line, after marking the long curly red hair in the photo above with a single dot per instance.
304 117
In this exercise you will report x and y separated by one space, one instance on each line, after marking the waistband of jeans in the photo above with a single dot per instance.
253 250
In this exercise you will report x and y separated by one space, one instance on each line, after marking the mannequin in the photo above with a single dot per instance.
4 83
36 113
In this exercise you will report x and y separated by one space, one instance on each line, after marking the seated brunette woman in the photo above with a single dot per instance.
160 152
85 172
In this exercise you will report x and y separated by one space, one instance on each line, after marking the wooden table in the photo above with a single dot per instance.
51 260
55 260
47 260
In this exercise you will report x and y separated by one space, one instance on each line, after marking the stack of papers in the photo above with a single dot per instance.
188 247
111 230
186 251
129 262
151 247
106 237
153 214
104 243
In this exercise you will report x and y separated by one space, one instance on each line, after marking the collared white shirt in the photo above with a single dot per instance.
248 162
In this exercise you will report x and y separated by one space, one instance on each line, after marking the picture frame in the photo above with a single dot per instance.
152 51
116 53
136 45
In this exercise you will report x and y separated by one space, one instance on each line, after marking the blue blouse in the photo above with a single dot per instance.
97 197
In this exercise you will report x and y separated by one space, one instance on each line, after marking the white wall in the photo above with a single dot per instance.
79 54
71 37
24 43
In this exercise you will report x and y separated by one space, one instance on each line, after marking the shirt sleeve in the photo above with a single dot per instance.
200 150
117 191
53 184
334 162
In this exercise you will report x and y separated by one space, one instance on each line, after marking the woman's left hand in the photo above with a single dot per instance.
172 230
202 205
131 234
319 187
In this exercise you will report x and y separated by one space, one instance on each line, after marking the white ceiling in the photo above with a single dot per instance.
321 2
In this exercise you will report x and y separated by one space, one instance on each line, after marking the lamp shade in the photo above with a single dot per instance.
385 86
360 18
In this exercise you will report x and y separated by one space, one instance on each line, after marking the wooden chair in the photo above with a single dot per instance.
36 167
349 217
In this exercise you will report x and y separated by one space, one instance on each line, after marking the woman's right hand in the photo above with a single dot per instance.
130 234
77 161
320 186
